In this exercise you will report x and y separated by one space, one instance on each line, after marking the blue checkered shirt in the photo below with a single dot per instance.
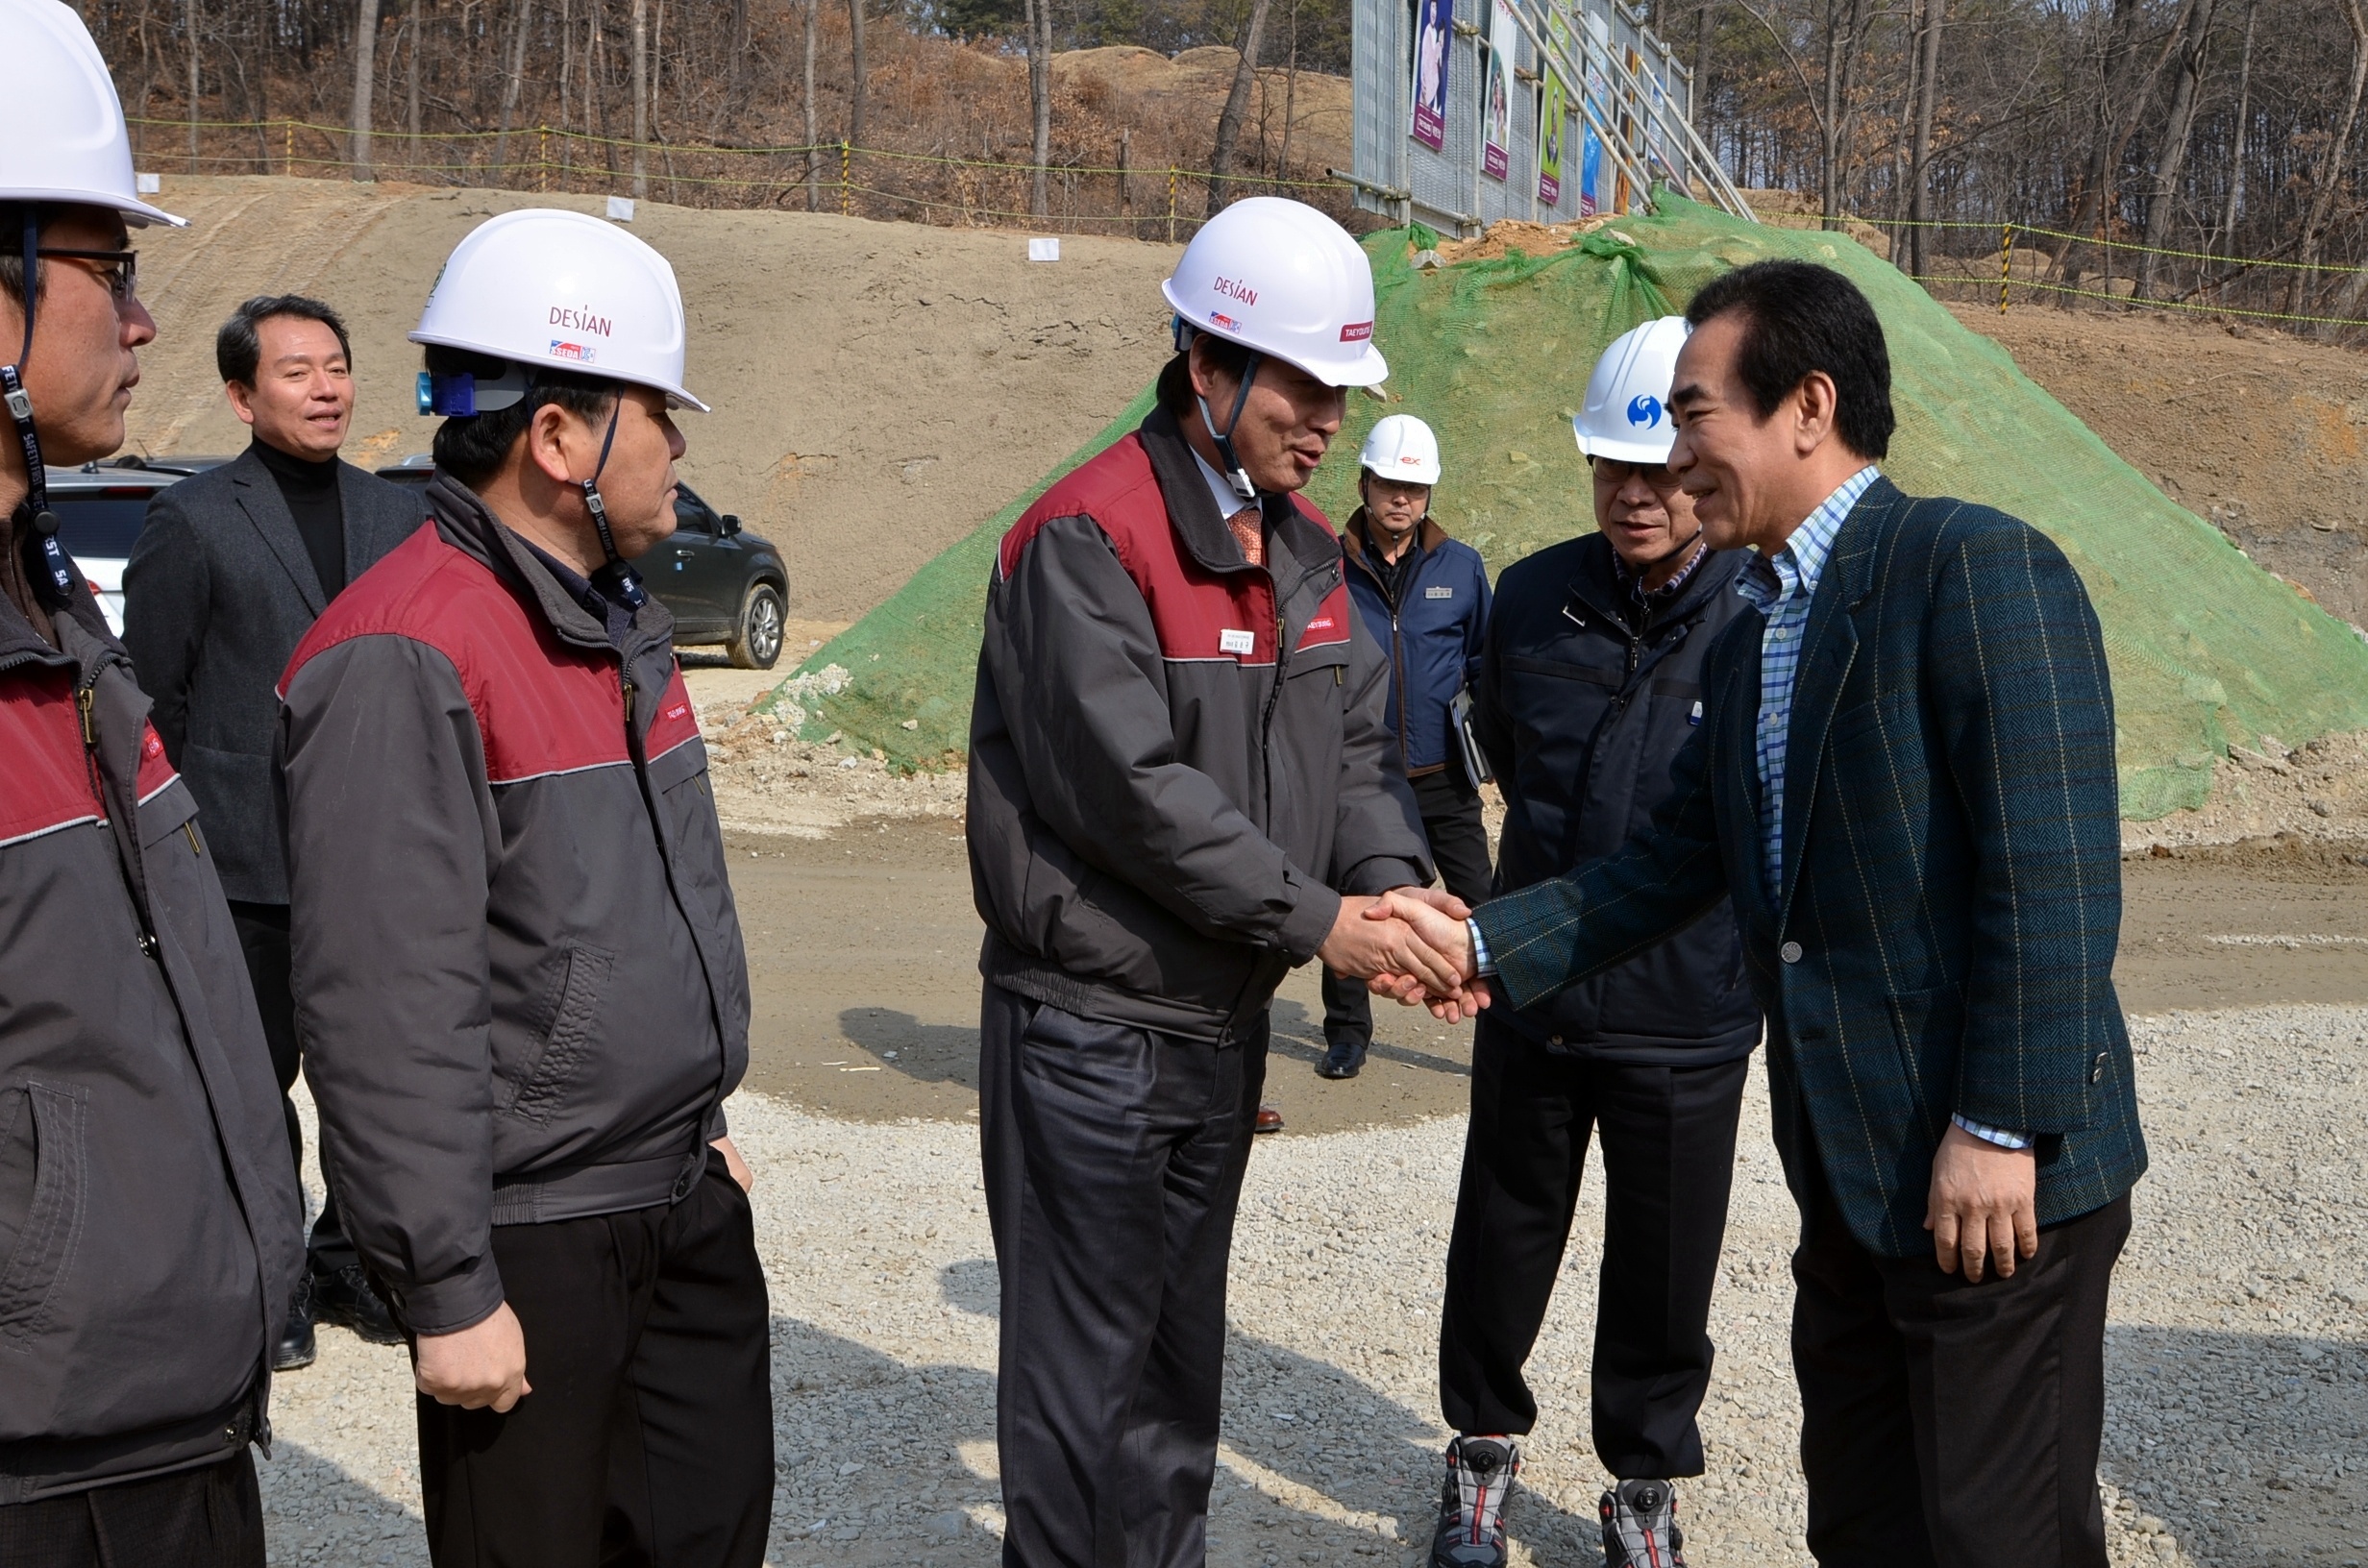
1781 587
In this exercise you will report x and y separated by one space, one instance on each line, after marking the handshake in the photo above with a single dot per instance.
1410 944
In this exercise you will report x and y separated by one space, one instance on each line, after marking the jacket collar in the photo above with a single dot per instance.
1294 544
1599 584
266 509
468 525
1356 539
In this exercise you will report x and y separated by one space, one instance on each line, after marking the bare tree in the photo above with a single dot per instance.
857 74
813 126
1921 154
365 81
515 81
1037 17
410 65
2190 45
1237 104
188 31
641 100
1843 44
2329 172
2244 114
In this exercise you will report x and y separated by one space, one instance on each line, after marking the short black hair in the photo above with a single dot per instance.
12 252
472 448
1797 318
238 347
1176 377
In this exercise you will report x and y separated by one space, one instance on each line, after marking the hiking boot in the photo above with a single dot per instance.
1639 1526
343 1296
1472 1505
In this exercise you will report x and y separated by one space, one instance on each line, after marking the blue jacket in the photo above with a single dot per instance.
1432 634
1582 703
1943 939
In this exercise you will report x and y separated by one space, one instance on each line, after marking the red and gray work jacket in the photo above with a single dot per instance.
518 967
1179 761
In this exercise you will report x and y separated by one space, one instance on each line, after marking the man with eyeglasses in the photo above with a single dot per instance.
1589 683
149 1213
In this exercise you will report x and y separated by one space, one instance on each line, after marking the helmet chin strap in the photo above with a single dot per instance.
1236 475
615 569
57 571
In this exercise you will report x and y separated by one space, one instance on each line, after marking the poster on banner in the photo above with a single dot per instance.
1497 100
1553 114
1434 29
1595 180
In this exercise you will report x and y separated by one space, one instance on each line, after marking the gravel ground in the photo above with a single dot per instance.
2238 1432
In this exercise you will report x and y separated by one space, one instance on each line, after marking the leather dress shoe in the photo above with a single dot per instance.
1345 1059
343 1296
1270 1119
296 1347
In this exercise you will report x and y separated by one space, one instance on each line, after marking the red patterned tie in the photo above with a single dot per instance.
1249 526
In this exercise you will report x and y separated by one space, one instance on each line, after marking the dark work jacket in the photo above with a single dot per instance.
1432 634
151 1231
1177 758
517 959
1581 713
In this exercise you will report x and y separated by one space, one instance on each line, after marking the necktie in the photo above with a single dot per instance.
1249 526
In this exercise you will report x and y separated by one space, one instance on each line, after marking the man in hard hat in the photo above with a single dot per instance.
1589 686
1182 784
150 1223
516 958
1424 597
231 568
1904 779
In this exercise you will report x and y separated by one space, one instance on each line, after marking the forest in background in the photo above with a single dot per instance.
2225 128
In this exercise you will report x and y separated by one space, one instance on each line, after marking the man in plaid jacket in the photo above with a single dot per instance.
1904 780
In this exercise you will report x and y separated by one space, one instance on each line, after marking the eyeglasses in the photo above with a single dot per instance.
1614 473
120 272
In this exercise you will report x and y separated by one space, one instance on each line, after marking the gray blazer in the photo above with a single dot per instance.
216 594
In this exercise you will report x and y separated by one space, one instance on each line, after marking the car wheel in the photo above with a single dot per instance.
756 642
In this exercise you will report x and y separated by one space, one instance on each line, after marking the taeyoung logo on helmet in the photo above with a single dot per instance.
581 353
1357 331
1645 410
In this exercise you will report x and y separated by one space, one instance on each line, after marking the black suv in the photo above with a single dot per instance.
723 583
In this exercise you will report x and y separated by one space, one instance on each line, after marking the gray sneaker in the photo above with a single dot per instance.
1639 1526
1471 1506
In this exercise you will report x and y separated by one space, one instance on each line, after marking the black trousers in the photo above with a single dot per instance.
263 937
649 1437
1460 846
212 1517
1113 1162
1946 1425
1668 1157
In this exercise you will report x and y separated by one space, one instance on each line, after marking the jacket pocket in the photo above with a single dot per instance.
1927 1026
42 1181
559 1056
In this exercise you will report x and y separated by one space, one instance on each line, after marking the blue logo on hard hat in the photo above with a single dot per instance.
1645 410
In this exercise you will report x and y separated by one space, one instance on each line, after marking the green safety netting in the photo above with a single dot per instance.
2204 647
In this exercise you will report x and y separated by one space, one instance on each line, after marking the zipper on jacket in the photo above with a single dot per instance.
625 684
85 700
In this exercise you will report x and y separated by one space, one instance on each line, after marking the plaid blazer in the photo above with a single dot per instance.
1944 939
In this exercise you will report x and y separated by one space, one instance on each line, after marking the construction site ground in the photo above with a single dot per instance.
880 389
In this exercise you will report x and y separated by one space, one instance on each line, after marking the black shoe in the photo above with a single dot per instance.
1639 1526
1471 1506
344 1297
1345 1059
296 1347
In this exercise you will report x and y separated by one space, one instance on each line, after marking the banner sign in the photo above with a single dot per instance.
1553 114
1434 28
1593 189
1497 102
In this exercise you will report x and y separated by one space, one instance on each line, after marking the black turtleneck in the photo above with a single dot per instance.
311 490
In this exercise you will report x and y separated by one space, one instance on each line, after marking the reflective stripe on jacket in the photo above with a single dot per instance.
518 965
150 1223
1175 757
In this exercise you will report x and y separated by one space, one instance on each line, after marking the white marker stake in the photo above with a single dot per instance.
621 208
1044 250
148 184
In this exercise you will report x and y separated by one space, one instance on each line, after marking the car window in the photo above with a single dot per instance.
691 512
100 528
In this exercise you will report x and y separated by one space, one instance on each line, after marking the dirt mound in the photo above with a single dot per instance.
878 388
1182 96
2262 434
1796 210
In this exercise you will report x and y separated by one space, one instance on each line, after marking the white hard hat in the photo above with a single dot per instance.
545 288
1401 448
66 142
1627 411
1279 277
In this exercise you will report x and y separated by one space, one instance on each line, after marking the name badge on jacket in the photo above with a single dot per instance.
1438 590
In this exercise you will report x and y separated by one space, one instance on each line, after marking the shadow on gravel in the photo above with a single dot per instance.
928 1053
1304 1422
2251 1448
1299 1037
317 1510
